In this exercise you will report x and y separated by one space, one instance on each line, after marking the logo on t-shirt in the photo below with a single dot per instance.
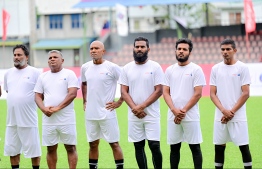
236 74
106 73
62 79
26 77
189 74
149 73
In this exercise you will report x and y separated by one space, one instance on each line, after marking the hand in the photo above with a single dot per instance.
54 109
138 109
228 114
112 105
177 120
47 111
179 113
224 120
141 115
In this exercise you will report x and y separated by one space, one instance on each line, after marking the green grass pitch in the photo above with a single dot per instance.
232 160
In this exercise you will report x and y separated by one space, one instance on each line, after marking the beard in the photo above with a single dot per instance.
19 64
140 58
182 60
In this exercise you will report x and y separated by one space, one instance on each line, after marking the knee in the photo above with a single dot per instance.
154 145
70 148
51 149
140 144
115 146
93 145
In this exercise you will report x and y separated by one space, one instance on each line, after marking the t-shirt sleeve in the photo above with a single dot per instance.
5 81
83 70
39 85
117 72
159 76
72 80
123 78
213 77
199 78
245 77
167 77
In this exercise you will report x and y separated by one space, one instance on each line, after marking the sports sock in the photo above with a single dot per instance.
15 166
140 154
119 164
197 155
219 156
246 156
93 163
35 167
175 155
156 153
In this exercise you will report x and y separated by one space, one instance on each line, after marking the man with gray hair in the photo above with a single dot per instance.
55 91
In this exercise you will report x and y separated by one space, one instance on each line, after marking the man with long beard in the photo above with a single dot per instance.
182 90
22 120
141 86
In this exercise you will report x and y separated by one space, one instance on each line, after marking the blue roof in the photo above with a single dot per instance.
112 3
61 43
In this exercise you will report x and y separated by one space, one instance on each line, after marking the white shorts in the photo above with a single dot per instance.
107 129
22 140
52 135
236 132
186 131
143 130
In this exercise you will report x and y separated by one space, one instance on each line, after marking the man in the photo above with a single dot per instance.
0 91
141 86
182 90
229 91
58 88
22 119
99 81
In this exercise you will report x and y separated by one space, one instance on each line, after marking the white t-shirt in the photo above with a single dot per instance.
21 106
182 80
55 86
101 88
228 79
141 80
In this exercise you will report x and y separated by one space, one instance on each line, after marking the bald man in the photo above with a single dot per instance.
99 82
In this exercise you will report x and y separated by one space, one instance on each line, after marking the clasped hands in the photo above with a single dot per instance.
138 111
180 114
227 116
48 111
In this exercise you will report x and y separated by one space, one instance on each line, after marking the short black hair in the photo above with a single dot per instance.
142 39
228 42
187 41
23 47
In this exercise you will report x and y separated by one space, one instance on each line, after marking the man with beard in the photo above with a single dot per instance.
55 92
141 86
182 90
22 119
99 81
229 91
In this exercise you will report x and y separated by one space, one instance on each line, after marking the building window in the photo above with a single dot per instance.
235 18
56 21
37 22
76 57
76 21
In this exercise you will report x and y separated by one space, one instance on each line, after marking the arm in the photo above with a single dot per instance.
194 99
242 99
227 113
84 90
179 115
127 98
39 97
0 91
71 95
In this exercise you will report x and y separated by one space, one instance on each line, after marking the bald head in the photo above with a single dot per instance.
97 43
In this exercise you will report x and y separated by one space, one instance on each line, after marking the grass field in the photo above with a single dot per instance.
233 157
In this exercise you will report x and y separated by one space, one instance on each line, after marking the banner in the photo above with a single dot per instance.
250 23
5 18
121 20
